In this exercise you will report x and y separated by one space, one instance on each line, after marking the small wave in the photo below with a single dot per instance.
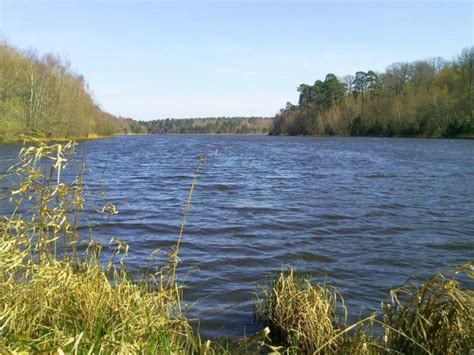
219 187
379 176
389 206
141 228
451 246
335 217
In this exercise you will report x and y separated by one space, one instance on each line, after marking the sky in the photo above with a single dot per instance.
158 59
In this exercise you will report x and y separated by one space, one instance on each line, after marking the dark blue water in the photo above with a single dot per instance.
363 213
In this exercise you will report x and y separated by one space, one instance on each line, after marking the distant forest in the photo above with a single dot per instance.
426 98
212 125
42 94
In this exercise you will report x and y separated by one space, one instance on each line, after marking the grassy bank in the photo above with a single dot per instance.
43 139
435 316
59 293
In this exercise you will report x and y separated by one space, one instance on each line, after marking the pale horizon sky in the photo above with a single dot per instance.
158 59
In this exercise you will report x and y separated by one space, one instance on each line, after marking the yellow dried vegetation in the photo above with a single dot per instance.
435 316
431 317
54 299
300 313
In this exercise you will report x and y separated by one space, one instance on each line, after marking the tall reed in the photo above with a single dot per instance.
303 315
54 299
435 316
431 317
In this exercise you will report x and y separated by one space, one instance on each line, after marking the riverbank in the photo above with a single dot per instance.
43 94
401 101
433 316
422 136
97 137
43 139
22 139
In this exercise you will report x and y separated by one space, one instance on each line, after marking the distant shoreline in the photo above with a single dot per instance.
55 139
97 137
287 135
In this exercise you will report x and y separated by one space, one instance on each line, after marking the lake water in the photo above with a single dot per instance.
363 213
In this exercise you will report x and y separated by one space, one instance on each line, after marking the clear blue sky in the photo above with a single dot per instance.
161 59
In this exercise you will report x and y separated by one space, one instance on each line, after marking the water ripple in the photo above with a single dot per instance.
363 214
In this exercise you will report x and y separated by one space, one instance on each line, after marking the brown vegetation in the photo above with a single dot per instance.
42 94
432 317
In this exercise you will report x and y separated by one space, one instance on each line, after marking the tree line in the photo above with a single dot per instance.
211 125
424 98
42 94
430 98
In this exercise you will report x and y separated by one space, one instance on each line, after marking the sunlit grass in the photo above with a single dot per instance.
433 317
300 313
73 306
54 300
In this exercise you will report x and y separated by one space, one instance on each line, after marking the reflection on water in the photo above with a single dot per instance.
363 213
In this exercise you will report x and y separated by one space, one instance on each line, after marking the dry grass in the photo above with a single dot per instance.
435 317
302 315
52 305
54 300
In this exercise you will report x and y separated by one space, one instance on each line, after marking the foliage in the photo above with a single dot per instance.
434 317
213 125
430 98
302 315
42 93
438 314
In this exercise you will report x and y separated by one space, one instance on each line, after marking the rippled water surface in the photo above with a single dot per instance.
363 213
